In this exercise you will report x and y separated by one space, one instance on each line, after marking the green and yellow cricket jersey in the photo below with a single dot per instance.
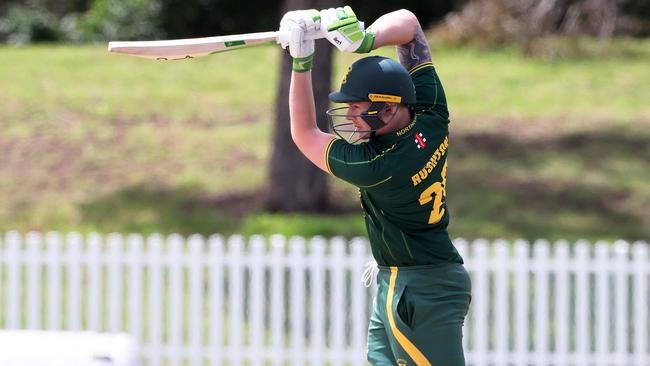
402 181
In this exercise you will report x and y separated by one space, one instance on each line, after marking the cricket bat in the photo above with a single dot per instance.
179 49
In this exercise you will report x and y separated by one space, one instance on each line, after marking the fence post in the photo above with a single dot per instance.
3 290
33 260
541 258
582 308
216 295
256 289
622 252
601 306
53 243
562 300
196 310
175 263
521 297
277 308
316 260
14 280
94 266
337 298
641 299
135 290
155 284
235 298
74 262
115 247
501 303
481 298
297 300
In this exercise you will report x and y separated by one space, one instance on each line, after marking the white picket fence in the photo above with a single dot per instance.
196 301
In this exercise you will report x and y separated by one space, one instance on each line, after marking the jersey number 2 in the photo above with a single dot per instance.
436 193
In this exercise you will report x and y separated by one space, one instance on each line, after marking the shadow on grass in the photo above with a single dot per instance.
144 209
585 185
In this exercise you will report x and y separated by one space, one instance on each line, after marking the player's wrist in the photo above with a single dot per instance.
368 42
303 64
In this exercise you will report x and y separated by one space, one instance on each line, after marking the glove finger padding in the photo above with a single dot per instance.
298 46
301 50
308 20
294 27
342 28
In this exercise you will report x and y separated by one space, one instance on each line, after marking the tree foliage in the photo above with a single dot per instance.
484 20
524 21
209 17
80 20
83 20
29 23
120 20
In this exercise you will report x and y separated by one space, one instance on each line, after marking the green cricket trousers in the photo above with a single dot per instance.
418 316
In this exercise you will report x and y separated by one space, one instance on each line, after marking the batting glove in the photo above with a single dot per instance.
342 28
295 26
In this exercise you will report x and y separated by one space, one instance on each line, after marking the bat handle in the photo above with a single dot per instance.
283 37
315 36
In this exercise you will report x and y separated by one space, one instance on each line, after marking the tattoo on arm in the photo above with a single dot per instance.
415 52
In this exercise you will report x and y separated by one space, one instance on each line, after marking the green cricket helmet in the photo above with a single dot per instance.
374 79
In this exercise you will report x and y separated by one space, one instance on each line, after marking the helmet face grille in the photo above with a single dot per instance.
341 123
343 127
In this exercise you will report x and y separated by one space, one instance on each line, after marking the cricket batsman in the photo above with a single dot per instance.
391 142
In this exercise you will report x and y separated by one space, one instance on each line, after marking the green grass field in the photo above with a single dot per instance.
91 141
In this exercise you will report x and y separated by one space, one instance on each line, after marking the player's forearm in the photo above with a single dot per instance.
401 28
309 139
302 110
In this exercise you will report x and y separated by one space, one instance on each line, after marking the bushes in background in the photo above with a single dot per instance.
482 21
106 19
120 20
24 21
29 23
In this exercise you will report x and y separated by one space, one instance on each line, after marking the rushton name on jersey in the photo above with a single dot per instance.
431 163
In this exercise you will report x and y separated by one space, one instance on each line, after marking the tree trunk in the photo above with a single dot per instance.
295 184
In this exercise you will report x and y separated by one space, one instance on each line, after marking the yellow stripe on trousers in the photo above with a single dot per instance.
409 347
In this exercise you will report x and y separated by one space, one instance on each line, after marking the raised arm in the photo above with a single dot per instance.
402 29
309 139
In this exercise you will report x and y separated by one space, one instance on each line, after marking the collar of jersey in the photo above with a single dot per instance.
389 139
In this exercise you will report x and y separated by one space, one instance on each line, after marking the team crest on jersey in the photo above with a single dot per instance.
401 362
420 140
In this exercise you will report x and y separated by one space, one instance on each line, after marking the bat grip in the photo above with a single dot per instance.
283 37
315 36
